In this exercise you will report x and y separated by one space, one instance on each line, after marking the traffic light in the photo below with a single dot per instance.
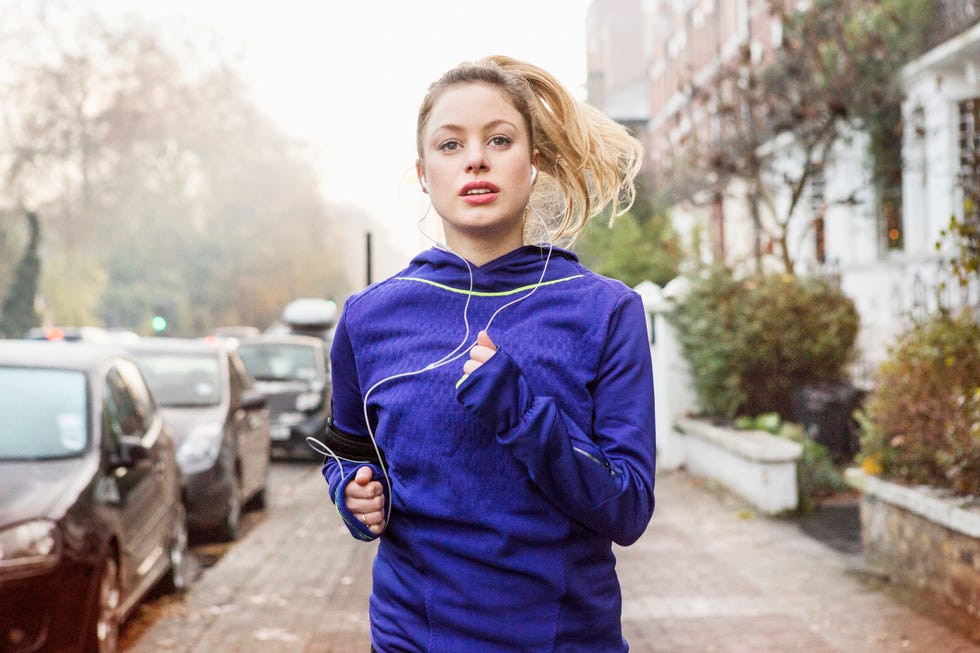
158 323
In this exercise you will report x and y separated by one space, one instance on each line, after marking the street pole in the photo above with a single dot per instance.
368 256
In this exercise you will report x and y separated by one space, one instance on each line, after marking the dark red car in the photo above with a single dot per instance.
91 515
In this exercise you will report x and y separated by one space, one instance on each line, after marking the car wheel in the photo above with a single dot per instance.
230 525
260 500
103 636
178 577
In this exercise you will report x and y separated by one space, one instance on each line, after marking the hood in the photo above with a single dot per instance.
516 269
42 488
284 387
183 420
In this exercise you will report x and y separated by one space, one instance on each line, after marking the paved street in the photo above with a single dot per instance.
708 576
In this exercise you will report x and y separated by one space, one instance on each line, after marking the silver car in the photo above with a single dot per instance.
220 423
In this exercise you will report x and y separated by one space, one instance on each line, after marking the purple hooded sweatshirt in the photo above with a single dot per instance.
507 487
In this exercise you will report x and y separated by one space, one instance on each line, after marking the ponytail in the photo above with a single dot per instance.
588 162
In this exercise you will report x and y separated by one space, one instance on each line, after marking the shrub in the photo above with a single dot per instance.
751 342
817 476
921 423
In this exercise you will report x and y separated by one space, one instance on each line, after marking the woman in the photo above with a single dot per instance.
502 392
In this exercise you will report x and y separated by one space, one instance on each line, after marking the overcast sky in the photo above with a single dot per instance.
348 76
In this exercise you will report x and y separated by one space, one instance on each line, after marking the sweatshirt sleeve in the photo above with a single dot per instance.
348 416
603 478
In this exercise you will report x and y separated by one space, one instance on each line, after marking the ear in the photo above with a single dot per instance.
535 161
420 173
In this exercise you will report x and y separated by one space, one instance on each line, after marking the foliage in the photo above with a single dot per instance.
835 69
965 236
816 475
921 423
639 246
159 180
632 250
964 233
17 314
750 342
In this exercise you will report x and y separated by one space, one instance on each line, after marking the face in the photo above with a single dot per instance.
476 159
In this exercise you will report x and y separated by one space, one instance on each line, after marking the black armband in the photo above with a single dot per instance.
353 447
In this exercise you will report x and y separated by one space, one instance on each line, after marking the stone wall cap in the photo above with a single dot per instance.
750 444
959 514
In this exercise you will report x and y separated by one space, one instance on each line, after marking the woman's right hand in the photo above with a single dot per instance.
365 499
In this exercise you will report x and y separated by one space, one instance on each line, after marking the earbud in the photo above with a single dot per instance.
425 186
534 174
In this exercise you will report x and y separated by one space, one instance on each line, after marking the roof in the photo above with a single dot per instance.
163 345
282 339
310 311
57 355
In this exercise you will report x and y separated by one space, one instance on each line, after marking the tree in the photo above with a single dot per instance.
639 246
17 314
779 121
158 178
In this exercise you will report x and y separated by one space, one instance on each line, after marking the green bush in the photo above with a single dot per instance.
751 342
817 476
921 423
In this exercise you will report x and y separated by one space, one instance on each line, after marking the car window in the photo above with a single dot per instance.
121 412
182 380
282 362
45 413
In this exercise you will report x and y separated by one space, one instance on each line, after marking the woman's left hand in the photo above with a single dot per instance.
480 353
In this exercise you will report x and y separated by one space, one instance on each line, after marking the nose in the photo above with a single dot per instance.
477 160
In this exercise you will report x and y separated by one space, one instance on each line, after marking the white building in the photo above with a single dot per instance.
941 136
887 262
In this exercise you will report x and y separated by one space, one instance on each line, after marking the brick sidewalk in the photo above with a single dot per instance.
706 577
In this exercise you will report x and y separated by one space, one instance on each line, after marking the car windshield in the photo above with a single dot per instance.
280 362
45 413
182 380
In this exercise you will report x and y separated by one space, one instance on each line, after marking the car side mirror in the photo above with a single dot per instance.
252 400
132 451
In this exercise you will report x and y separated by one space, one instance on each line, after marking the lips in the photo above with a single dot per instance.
479 192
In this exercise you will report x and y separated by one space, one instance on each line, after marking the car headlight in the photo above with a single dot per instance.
31 544
201 448
307 401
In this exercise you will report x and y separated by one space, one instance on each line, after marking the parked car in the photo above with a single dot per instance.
234 331
91 515
69 333
220 424
293 372
307 316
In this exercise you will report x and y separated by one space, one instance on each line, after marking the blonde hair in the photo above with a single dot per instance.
587 161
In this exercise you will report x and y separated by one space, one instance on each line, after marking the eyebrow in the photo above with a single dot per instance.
493 124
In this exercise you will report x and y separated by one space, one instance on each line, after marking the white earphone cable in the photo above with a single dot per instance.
452 356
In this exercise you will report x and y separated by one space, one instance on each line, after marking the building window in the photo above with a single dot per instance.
970 148
887 175
890 210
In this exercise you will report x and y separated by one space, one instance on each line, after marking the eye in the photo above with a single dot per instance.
449 146
500 140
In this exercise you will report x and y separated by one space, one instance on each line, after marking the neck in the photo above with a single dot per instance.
481 250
